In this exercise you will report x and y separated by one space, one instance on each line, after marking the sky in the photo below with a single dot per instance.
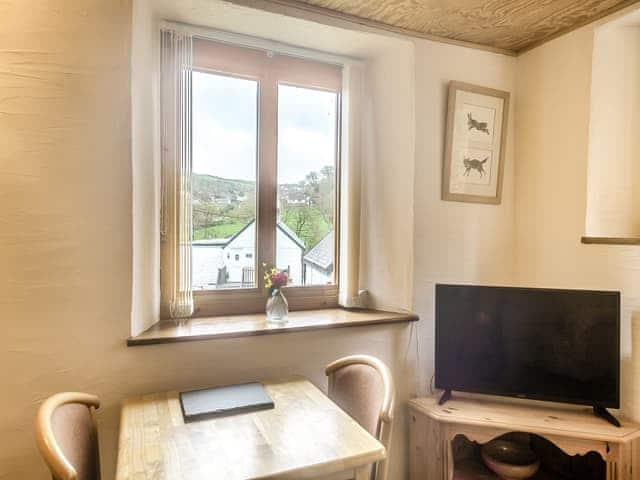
225 120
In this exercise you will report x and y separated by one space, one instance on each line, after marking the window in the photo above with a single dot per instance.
223 179
307 142
264 176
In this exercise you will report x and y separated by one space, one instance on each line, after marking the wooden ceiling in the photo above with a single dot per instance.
507 25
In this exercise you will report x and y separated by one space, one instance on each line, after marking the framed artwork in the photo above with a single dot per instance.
475 144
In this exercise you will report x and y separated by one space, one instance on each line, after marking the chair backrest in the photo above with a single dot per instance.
67 437
362 386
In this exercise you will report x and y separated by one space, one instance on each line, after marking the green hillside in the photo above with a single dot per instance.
204 186
223 206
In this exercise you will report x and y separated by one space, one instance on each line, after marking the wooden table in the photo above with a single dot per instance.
305 436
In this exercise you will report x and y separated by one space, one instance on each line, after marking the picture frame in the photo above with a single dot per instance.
475 144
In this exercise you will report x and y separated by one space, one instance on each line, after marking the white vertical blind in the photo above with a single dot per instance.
176 65
350 191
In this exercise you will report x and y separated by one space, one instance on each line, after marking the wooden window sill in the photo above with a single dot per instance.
611 240
235 326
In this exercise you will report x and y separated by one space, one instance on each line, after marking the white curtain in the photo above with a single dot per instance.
176 156
349 295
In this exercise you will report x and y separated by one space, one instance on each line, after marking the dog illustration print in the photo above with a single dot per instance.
473 164
472 123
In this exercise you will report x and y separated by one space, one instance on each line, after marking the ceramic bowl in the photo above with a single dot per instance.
510 460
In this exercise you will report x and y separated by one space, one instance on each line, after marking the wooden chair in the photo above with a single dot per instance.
363 387
67 436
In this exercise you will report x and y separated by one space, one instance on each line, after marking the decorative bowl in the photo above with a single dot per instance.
510 460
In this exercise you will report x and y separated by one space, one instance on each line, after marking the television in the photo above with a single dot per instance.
541 344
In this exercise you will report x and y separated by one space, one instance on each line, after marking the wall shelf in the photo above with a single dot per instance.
611 240
234 326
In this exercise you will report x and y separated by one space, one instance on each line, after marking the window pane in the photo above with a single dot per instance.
224 181
307 122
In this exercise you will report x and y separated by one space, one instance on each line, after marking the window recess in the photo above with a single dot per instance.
264 182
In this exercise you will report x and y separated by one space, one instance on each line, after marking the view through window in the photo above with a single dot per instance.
254 112
307 124
225 119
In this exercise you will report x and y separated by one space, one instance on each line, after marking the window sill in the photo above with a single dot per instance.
611 240
255 324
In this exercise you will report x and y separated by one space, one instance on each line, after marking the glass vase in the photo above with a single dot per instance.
277 308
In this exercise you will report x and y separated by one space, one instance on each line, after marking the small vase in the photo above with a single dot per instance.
277 308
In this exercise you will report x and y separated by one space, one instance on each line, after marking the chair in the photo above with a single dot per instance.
363 387
67 437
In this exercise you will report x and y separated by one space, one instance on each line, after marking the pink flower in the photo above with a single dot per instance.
279 280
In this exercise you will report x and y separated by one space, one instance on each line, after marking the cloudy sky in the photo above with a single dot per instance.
224 128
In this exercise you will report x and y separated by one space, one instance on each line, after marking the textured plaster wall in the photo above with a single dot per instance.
456 242
552 140
69 252
613 173
66 241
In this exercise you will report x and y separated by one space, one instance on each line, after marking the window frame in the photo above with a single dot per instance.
269 69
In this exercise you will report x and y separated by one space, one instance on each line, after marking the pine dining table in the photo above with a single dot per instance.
306 436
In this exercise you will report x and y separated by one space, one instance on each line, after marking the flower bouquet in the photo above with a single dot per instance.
277 305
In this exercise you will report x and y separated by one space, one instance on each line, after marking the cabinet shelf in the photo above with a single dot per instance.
572 432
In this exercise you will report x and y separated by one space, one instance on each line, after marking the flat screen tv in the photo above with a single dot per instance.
543 344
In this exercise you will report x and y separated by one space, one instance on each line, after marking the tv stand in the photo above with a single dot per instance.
575 430
446 396
603 413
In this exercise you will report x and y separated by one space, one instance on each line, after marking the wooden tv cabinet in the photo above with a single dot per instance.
574 430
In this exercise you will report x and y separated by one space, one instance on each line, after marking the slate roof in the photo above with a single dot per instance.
322 254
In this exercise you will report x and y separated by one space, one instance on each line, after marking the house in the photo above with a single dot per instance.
233 259
317 263
486 145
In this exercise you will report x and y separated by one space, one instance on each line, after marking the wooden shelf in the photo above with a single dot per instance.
255 324
475 470
611 240
527 416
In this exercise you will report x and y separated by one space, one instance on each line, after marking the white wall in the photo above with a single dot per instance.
241 245
288 255
386 232
613 173
77 272
456 242
145 88
552 118
70 255
206 260
316 276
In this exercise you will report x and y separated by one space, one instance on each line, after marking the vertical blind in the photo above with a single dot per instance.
350 191
176 158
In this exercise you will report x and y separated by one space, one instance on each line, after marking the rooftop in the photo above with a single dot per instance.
322 254
223 242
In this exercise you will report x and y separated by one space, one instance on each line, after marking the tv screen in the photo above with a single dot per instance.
555 345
